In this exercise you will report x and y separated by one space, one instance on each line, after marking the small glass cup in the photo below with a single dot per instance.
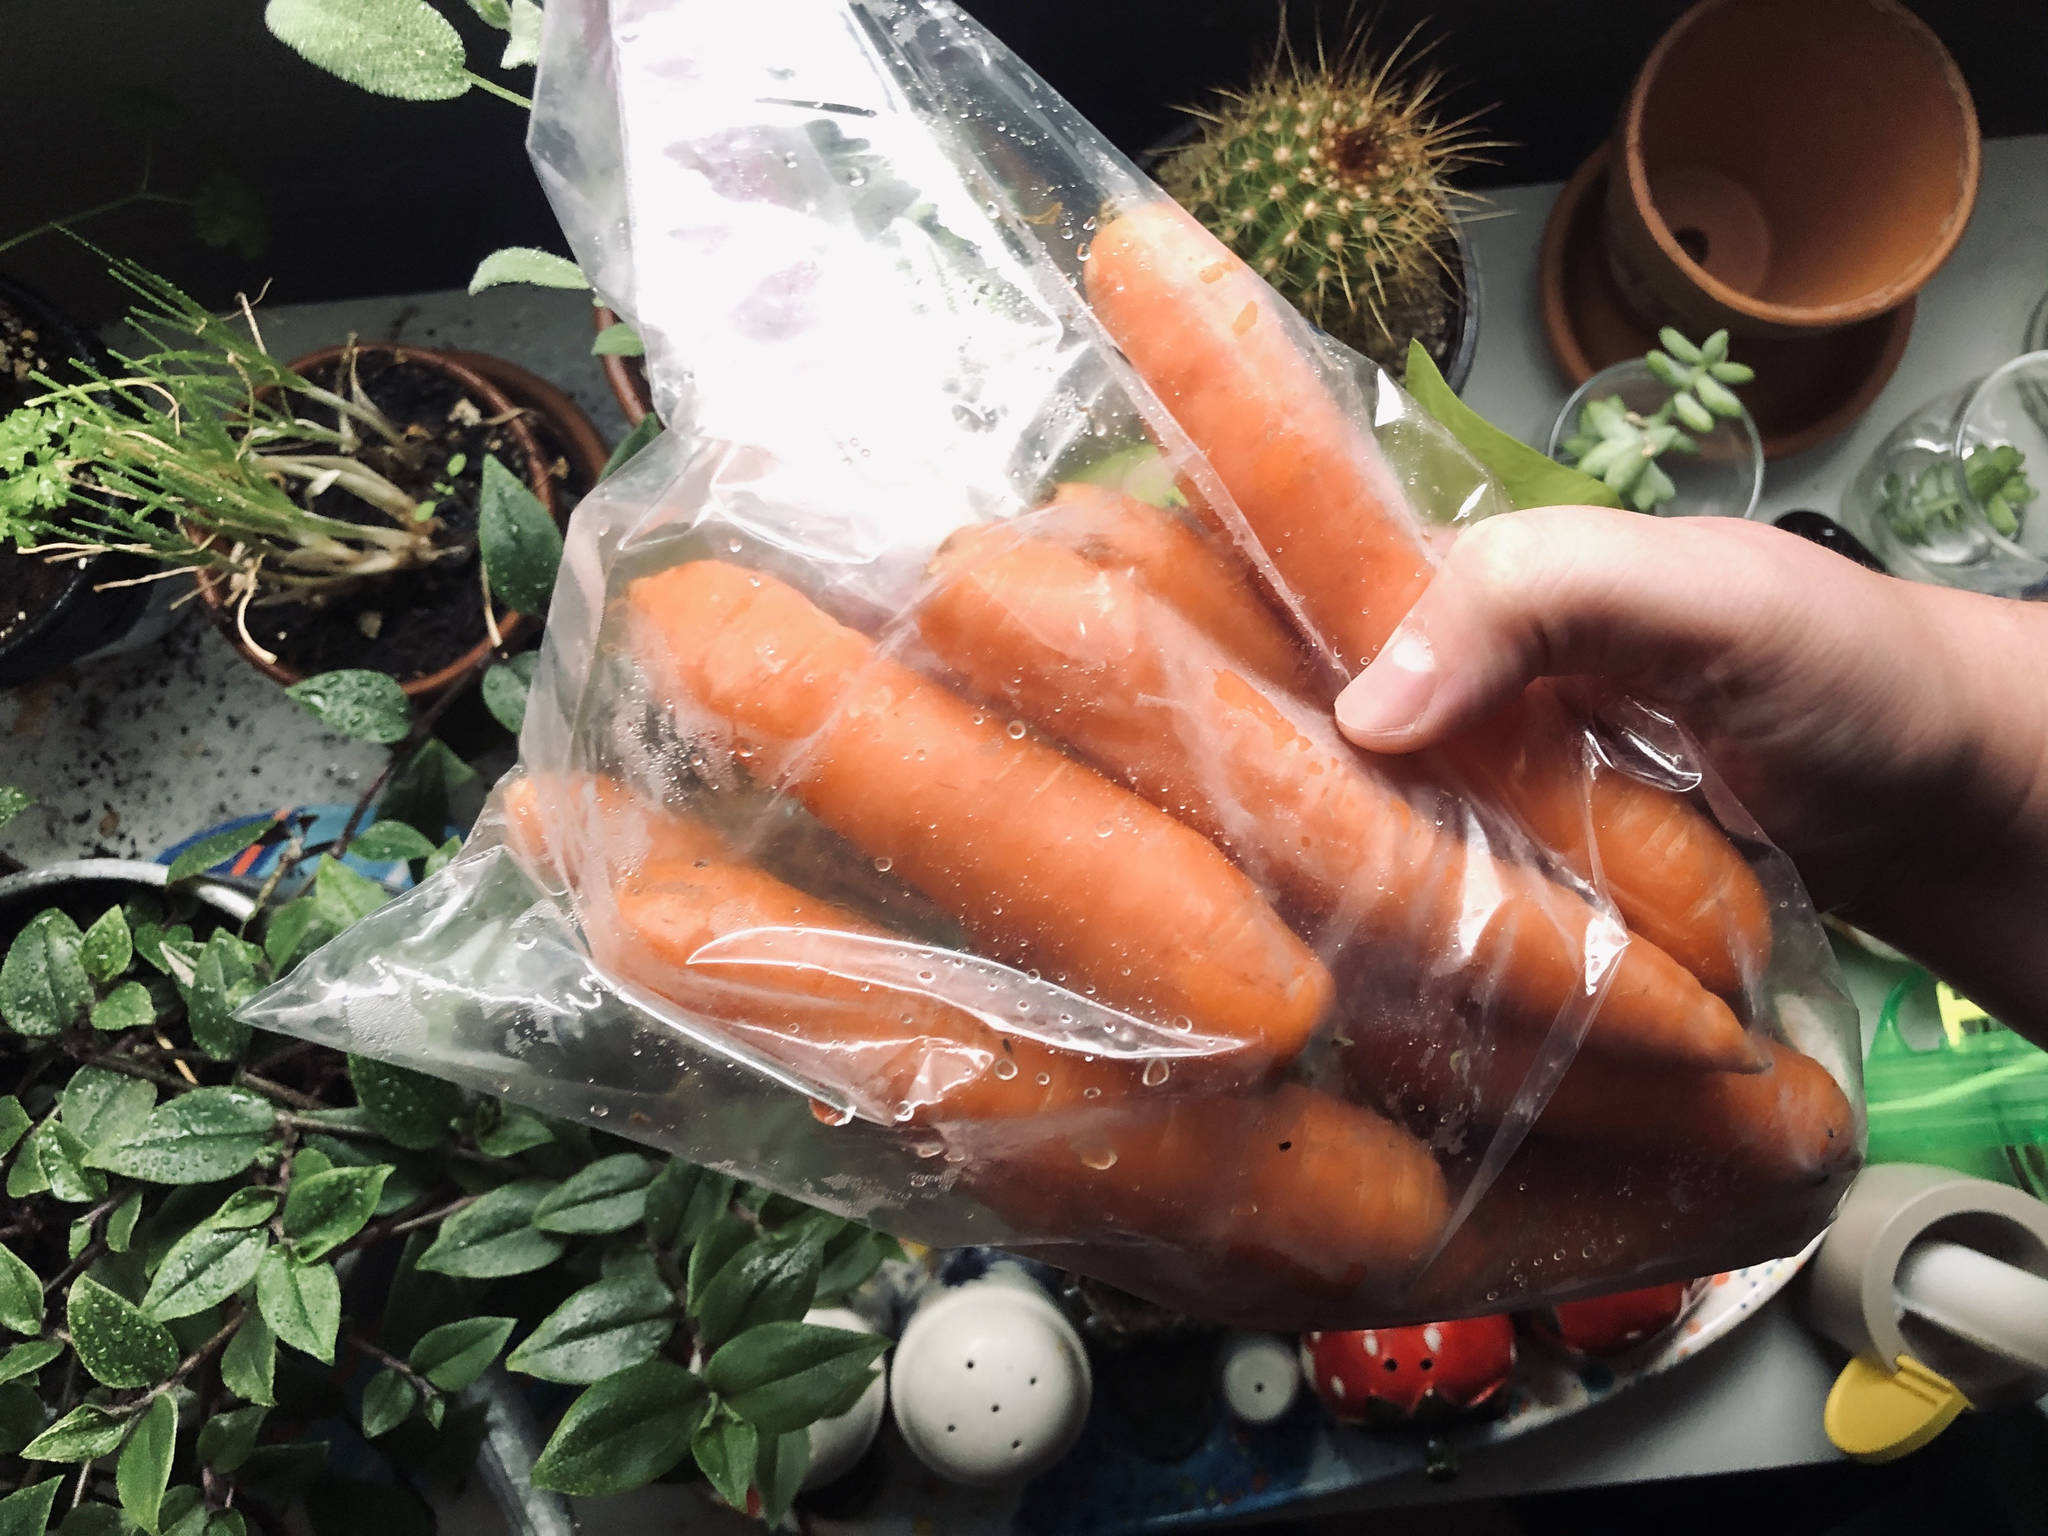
1950 495
1723 479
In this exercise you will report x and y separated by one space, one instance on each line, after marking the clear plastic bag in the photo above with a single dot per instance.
929 804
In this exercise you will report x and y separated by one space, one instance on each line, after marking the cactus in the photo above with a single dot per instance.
1333 182
1621 446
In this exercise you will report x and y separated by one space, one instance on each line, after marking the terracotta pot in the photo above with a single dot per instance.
563 428
1788 168
626 375
494 401
1807 389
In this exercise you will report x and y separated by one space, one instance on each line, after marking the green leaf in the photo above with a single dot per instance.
27 1512
226 1439
250 1207
150 941
83 1434
453 1355
14 1121
495 1237
248 1366
21 1416
325 1211
207 1134
21 1294
26 1359
725 1448
418 791
848 1263
363 705
523 47
496 12
144 1470
644 431
407 1108
226 1522
779 1470
217 849
381 841
183 1512
128 1006
387 1403
341 897
520 543
121 1222
600 1330
624 1432
783 1376
43 985
285 1468
224 978
301 1302
107 947
619 339
442 857
505 687
608 1196
510 1130
1529 478
13 802
402 48
64 1161
771 1280
721 1239
95 1520
118 1342
99 1106
524 264
26 1177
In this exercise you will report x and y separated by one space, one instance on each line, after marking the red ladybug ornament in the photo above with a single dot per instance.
1602 1327
1430 1372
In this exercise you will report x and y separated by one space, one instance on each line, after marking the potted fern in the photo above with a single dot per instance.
373 506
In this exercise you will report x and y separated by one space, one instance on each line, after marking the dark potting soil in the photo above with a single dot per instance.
29 585
417 622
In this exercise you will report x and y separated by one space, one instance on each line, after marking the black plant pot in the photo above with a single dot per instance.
87 887
76 617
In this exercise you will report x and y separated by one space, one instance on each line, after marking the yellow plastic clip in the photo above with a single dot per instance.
1955 1012
1879 1415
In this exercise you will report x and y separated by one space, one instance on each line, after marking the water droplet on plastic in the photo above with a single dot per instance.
1004 1068
1156 1072
884 864
927 977
855 176
1045 1079
1017 730
929 1148
1083 251
990 208
734 546
825 1114
1091 1093
1103 829
1101 1159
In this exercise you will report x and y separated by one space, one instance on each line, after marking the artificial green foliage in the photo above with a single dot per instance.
1941 498
184 1212
1622 446
1333 181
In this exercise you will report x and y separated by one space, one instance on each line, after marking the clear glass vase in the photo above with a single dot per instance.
1950 495
1723 479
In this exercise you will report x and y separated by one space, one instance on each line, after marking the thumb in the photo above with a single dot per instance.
1667 608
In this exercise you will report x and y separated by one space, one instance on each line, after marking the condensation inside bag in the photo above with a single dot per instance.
929 804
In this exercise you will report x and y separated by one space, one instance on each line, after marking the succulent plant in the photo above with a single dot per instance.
1621 446
1333 182
1935 500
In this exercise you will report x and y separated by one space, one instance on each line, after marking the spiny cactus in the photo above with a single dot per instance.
1333 182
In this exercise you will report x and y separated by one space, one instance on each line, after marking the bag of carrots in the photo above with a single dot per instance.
929 801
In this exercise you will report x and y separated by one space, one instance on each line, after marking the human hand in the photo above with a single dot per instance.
1891 737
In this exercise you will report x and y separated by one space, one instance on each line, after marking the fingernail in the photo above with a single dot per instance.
1389 697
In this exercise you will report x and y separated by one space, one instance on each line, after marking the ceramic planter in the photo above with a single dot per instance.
496 403
626 375
1787 169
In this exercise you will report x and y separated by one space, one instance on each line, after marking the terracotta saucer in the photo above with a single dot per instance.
1806 391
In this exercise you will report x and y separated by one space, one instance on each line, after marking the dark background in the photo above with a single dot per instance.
366 195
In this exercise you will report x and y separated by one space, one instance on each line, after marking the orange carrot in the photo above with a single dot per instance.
1201 579
553 821
1230 362
1294 1182
1046 862
1092 657
1788 1124
792 977
1579 1221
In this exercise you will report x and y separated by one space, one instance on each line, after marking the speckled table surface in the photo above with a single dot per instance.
171 732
